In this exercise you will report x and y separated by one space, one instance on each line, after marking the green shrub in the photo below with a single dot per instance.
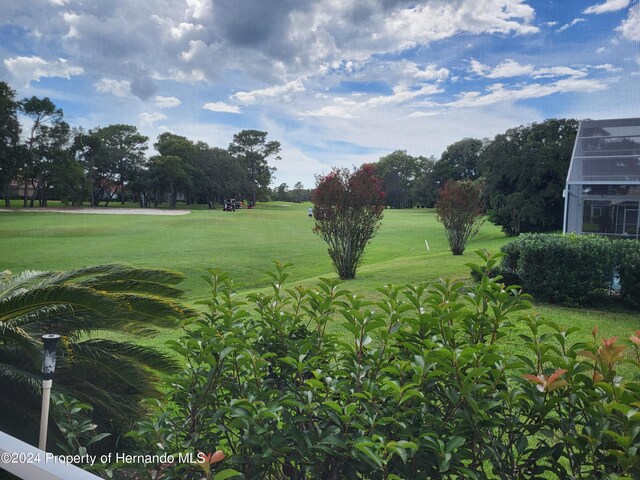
566 269
415 386
627 258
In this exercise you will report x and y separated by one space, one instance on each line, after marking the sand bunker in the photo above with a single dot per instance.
102 211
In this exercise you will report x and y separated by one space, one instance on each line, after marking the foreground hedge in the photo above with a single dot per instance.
627 258
413 386
572 269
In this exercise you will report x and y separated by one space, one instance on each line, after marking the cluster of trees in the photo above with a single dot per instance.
297 194
522 172
48 157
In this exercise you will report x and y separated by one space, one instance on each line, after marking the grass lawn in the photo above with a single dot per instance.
245 243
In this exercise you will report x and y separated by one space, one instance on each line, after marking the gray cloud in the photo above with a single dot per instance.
271 41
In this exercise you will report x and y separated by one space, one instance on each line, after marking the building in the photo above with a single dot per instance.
602 195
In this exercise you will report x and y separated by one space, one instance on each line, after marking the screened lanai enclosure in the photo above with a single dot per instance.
602 195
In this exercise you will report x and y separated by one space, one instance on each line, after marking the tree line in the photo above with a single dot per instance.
522 173
48 159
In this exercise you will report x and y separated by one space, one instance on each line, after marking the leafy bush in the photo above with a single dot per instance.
460 210
348 207
627 258
415 386
565 269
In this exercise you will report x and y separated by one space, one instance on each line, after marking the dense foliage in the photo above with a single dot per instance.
460 210
627 259
112 376
252 150
347 207
398 172
296 194
572 269
524 170
415 386
9 138
45 146
460 161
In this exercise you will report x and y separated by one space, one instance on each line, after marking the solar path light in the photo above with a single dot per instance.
48 368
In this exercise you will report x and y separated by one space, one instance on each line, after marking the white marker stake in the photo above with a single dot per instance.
427 245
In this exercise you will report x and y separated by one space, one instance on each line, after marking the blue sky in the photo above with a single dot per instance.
337 82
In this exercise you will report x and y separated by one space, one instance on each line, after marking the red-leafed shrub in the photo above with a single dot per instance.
348 207
460 210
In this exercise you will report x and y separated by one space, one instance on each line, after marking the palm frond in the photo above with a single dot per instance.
155 309
17 339
133 286
41 314
9 283
89 271
110 351
79 298
111 272
18 376
112 376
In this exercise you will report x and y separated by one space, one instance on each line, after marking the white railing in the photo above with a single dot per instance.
29 463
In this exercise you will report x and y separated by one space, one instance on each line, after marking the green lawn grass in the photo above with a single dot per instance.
246 242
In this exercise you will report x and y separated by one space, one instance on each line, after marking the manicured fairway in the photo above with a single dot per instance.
245 243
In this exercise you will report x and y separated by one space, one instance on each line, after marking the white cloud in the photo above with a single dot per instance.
332 30
177 32
630 27
167 102
148 119
567 26
118 88
429 73
72 20
335 111
438 20
424 114
198 9
479 68
401 94
270 92
500 94
27 69
607 6
182 76
198 51
183 29
510 68
221 107
607 67
560 71
346 108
